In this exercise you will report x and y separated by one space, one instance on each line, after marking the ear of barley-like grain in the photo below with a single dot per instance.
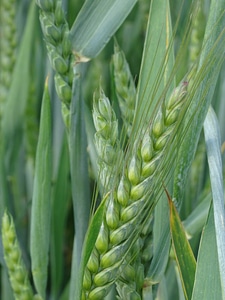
7 48
126 215
18 274
106 138
56 32
125 88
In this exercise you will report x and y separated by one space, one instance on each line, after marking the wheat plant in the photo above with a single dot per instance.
111 149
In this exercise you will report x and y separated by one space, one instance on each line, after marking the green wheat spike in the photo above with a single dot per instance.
123 231
7 48
13 258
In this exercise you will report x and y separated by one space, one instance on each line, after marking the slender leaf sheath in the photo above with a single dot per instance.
41 204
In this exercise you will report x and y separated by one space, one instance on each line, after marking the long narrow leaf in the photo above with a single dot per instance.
60 198
79 177
157 62
183 252
207 284
212 56
157 65
14 108
213 146
97 21
41 203
18 93
89 243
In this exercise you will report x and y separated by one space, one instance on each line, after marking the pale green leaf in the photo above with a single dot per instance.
197 218
18 93
157 65
211 59
41 202
184 256
89 243
61 194
79 175
213 146
97 21
207 283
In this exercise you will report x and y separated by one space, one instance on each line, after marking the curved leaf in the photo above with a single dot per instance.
97 21
41 202
207 284
211 59
183 252
213 146
89 243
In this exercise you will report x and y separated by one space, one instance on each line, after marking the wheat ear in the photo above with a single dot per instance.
132 272
7 48
196 38
124 212
125 88
57 37
13 257
106 138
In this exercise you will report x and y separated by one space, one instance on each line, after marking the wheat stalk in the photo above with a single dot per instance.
124 206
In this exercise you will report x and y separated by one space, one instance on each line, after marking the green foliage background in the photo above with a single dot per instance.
49 173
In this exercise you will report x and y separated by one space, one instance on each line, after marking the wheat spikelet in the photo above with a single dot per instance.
7 48
106 138
124 213
57 37
130 282
125 88
12 254
196 38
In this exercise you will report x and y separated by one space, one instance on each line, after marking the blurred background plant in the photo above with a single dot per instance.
107 144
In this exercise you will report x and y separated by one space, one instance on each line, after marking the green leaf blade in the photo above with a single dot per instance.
41 203
207 284
211 59
156 70
183 252
157 62
79 175
16 100
213 146
97 21
89 244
